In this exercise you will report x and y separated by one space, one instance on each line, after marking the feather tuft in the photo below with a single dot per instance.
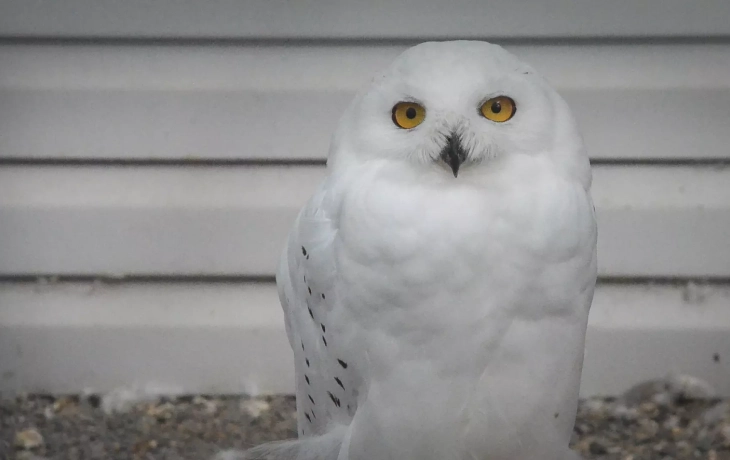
323 447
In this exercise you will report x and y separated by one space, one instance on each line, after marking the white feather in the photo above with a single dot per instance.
433 317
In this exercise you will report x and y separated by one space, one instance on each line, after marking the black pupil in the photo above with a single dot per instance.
496 107
411 113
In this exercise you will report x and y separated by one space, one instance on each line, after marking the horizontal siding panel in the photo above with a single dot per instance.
208 125
181 337
654 221
309 66
168 124
178 338
373 19
91 102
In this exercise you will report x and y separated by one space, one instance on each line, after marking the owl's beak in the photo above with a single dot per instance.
453 153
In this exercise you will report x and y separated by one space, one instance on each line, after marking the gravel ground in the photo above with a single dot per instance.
656 420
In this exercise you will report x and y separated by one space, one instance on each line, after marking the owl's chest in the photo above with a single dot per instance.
430 243
442 273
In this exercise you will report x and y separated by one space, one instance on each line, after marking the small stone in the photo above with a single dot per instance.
663 399
625 413
644 391
73 453
209 406
677 433
671 422
716 413
664 448
684 448
703 444
162 412
141 448
598 447
255 407
647 429
28 439
583 446
648 408
94 400
682 386
725 435
97 451
62 403
595 405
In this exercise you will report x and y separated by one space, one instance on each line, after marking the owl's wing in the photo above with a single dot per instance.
327 381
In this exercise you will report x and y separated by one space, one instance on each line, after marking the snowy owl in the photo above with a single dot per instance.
437 285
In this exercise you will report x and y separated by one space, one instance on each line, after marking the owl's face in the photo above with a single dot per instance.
458 105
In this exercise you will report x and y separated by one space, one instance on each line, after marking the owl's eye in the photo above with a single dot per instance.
408 115
499 109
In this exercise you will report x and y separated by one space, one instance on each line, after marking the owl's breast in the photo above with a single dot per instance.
422 242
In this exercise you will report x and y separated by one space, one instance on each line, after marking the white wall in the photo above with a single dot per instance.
169 146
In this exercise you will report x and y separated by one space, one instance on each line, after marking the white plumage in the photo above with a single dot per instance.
435 317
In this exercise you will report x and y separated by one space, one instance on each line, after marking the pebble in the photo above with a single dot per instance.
598 447
255 407
682 386
725 435
716 413
28 439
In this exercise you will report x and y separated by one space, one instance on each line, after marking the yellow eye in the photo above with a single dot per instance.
499 109
408 115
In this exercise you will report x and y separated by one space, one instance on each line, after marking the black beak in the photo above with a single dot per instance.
453 153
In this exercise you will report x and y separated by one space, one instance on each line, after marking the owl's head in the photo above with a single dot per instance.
460 106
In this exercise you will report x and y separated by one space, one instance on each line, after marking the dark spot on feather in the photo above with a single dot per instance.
342 363
716 357
339 382
307 361
308 417
556 415
323 328
310 290
324 340
313 414
307 257
311 399
306 377
302 345
305 278
334 399
304 251
323 296
310 312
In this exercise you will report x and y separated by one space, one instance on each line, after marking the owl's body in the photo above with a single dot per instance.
435 317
